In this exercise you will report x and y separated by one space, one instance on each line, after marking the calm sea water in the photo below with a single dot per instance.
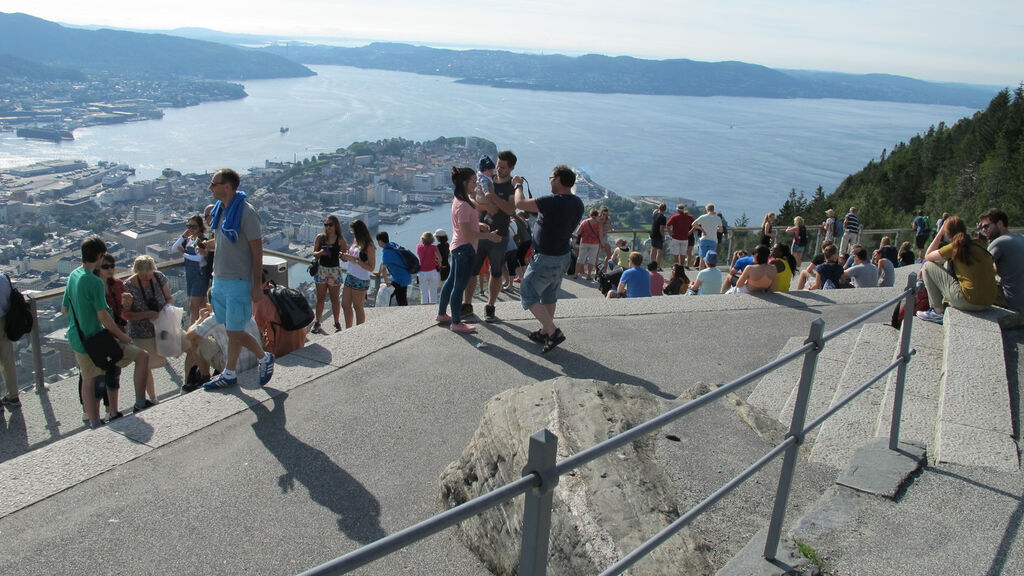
743 154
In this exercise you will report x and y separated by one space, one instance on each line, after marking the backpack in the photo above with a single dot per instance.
412 263
839 228
927 224
18 321
292 306
523 235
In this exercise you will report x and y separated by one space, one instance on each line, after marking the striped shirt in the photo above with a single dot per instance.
851 224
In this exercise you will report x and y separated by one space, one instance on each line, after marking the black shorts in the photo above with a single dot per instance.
658 242
920 241
494 252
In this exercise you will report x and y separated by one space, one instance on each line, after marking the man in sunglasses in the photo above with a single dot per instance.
1007 251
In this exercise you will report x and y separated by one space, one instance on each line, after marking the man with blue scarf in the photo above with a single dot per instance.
237 274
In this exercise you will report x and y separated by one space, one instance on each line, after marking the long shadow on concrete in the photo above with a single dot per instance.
573 364
328 484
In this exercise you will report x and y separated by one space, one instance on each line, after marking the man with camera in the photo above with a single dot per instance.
237 274
85 306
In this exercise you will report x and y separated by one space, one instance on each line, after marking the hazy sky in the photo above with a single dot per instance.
942 40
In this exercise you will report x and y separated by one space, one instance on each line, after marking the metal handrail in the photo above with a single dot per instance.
542 472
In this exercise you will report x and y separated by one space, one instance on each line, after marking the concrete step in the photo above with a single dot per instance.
771 392
831 364
921 389
975 427
840 436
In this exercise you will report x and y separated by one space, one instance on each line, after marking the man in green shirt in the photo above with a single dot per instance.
85 306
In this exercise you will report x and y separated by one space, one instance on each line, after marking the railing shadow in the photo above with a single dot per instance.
328 484
573 364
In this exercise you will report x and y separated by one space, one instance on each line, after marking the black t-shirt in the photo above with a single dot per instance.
559 216
656 225
499 220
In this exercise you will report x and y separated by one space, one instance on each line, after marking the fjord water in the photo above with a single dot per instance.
744 154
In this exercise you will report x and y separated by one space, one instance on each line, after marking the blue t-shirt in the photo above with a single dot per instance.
559 215
396 264
743 263
638 283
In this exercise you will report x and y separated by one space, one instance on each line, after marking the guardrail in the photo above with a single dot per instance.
542 472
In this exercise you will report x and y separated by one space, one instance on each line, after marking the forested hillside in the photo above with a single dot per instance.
964 169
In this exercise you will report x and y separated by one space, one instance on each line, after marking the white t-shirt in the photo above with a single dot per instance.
709 223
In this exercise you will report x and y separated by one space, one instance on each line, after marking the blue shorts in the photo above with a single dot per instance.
232 303
356 283
708 245
542 279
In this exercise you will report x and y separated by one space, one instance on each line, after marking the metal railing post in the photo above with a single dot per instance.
796 428
37 346
533 553
901 372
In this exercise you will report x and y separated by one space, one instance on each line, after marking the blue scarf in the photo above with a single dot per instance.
232 216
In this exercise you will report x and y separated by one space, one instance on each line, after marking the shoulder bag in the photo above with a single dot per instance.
103 349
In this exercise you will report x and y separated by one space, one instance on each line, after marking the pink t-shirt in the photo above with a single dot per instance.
657 283
428 257
463 212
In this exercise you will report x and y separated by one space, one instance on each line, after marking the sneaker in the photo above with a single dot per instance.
147 405
463 327
337 326
443 319
467 309
219 382
12 403
930 315
518 280
489 313
317 329
266 369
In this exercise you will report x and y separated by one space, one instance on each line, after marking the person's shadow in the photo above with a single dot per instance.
328 484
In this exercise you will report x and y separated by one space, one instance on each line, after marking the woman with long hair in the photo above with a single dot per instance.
589 233
799 232
328 247
466 230
768 229
828 274
959 274
361 257
113 289
605 217
190 244
759 276
785 266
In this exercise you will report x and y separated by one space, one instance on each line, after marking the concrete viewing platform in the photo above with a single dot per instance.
346 443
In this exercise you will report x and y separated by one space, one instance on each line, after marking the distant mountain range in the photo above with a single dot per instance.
624 74
131 54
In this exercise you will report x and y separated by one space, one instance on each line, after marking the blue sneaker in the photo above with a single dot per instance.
219 382
266 366
930 315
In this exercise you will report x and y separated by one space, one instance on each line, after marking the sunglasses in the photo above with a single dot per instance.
328 223
107 266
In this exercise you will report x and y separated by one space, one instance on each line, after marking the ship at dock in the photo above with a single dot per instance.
51 134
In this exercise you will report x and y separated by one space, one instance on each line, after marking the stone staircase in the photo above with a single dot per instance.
956 404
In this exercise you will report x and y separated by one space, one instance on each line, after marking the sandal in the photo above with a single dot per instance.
538 337
554 340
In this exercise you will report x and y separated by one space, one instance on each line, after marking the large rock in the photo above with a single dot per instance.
601 511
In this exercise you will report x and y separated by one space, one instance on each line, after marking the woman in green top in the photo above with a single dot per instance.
967 282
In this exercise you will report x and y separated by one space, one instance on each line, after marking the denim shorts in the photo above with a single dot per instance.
542 279
232 303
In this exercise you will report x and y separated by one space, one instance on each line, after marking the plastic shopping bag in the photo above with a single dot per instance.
168 331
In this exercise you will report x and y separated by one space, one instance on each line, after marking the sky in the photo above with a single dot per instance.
979 42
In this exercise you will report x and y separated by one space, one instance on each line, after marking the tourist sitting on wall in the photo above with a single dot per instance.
959 274
635 282
886 271
708 278
862 274
759 276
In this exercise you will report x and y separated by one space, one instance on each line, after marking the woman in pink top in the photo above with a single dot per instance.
430 277
466 230
589 233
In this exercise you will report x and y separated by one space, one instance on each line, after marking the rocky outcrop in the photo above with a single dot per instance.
601 511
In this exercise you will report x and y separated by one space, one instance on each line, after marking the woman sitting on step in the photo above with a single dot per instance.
966 282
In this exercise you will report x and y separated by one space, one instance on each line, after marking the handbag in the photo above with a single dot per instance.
314 267
103 349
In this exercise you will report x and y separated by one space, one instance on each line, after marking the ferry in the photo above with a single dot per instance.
51 134
114 179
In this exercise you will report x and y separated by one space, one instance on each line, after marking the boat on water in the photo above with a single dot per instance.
284 129
51 134
114 179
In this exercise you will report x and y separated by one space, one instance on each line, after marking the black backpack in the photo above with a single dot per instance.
412 263
523 234
292 307
18 321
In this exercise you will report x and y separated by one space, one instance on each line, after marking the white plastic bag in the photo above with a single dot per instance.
168 331
384 296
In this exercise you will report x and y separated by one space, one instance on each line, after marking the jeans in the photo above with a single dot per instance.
542 279
451 293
